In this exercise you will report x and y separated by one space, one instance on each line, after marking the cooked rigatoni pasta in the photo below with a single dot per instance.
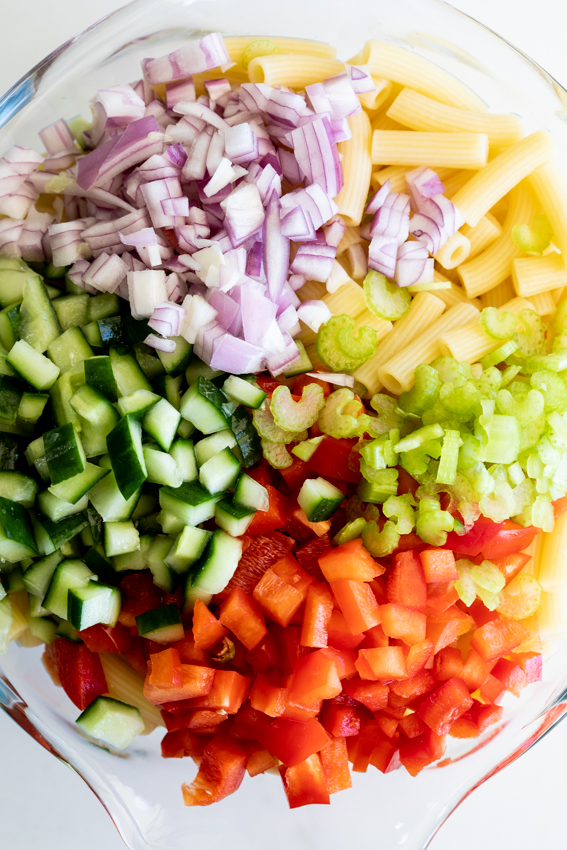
352 237
552 614
243 48
550 185
544 303
418 112
486 231
454 251
398 374
374 100
501 175
407 68
396 174
499 295
534 549
494 265
367 319
553 565
533 275
357 168
452 150
293 70
383 122
454 294
468 344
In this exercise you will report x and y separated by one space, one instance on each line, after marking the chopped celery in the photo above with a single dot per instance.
380 543
470 452
293 415
515 474
341 348
542 513
385 299
400 508
306 449
380 490
464 585
555 362
451 371
498 325
491 377
535 239
425 392
416 461
560 318
521 598
488 576
388 415
499 355
522 407
461 400
276 454
343 415
350 531
266 427
552 387
531 338
447 471
417 438
491 600
432 523
509 374
380 453
503 438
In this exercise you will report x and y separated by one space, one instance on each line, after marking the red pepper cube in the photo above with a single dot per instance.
438 565
492 689
316 617
197 681
375 637
101 638
367 740
243 618
139 594
315 678
531 663
388 725
447 664
498 637
183 743
294 476
136 657
302 711
474 721
419 655
164 669
247 722
406 582
259 759
275 517
357 603
80 672
443 706
293 741
339 634
305 783
331 459
288 570
408 625
440 596
511 675
264 655
228 691
419 685
340 721
417 753
349 561
206 628
220 773
267 697
334 760
475 671
278 600
445 628
345 661
480 613
412 726
511 565
384 753
373 695
189 652
382 663
289 650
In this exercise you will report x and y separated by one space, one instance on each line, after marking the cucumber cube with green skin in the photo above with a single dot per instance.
97 417
34 367
57 509
245 392
99 375
246 437
161 467
66 630
72 310
150 365
39 325
162 625
216 568
92 604
10 395
176 362
120 538
190 503
17 539
13 581
183 453
210 446
68 574
37 578
53 535
18 487
187 549
251 494
73 489
163 576
233 518
70 349
13 275
135 560
319 499
137 404
202 405
64 453
32 406
220 472
127 373
161 423
42 627
126 455
101 567
109 502
61 394
102 306
170 524
113 722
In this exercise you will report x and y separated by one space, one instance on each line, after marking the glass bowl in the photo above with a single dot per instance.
140 790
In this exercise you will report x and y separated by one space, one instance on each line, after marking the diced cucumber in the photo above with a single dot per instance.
72 310
2 591
137 404
202 405
170 389
72 548
38 577
147 505
126 455
220 472
52 272
99 375
17 539
6 620
112 722
35 456
198 369
190 503
161 467
176 362
68 574
92 604
39 325
33 366
95 561
32 406
245 392
54 535
161 422
149 524
306 449
57 509
163 577
128 375
14 581
187 549
13 275
150 365
10 396
102 306
170 524
61 394
210 446
301 365
135 560
73 489
18 487
218 566
97 416
246 437
319 499
9 325
64 453
120 538
107 499
42 627
70 349
66 630
233 518
162 625
185 429
183 453
251 494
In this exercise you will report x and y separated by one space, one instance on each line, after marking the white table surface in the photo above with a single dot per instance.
42 803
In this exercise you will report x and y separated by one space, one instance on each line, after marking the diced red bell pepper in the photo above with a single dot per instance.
412 726
375 637
382 663
474 541
407 624
334 759
331 459
165 670
438 565
302 381
440 710
243 618
417 753
345 662
409 542
511 565
291 741
444 628
220 773
259 759
447 664
480 613
511 538
247 722
440 596
139 594
295 475
80 672
406 582
340 721
271 519
418 656
288 570
308 555
531 663
340 636
374 695
264 655
305 783
197 681
350 561
206 628
559 506
388 725
475 671
357 603
316 616
511 675
315 678
383 756
267 697
498 637
101 638
267 383
182 743
298 526
264 474
367 741
278 599
289 650
136 657
263 551
492 689
301 712
419 685
474 721
189 653
228 692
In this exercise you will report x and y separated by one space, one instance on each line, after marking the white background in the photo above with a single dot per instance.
42 803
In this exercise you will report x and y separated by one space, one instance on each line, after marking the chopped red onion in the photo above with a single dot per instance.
423 183
175 207
223 176
177 155
241 144
244 213
314 201
197 56
176 92
145 291
199 110
275 248
226 307
356 256
114 107
267 181
57 137
166 318
217 88
334 232
145 238
314 260
206 340
75 275
341 379
288 320
67 243
337 278
411 263
17 204
360 78
317 155
297 225
200 314
156 342
296 281
160 190
237 356
139 140
314 314
106 272
382 255
341 129
378 198
258 312
317 99
10 232
196 165
281 362
392 218
444 213
31 241
426 231
290 167
341 96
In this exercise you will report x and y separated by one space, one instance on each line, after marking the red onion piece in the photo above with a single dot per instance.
57 137
341 129
139 140
318 99
106 272
290 167
339 378
199 110
314 314
200 314
167 345
378 198
241 144
145 291
75 275
275 253
334 232
10 232
31 240
146 237
226 307
411 263
244 213
223 176
288 320
426 231
444 213
314 260
114 107
194 58
17 204
314 200
382 254
175 207
257 314
237 356
67 243
176 92
217 88
341 96
423 183
278 363
392 218
317 155
296 281
297 225
360 78
206 339
166 318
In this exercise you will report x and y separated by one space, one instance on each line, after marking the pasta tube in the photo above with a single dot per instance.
452 150
550 185
357 168
534 275
480 236
470 343
293 70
